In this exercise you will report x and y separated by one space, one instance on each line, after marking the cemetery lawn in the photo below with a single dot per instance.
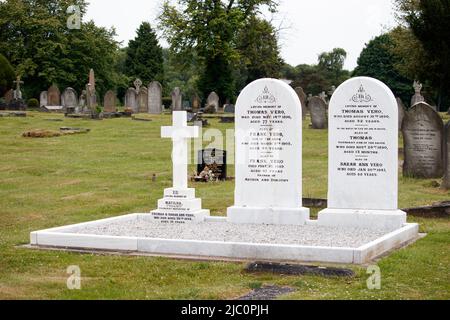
108 172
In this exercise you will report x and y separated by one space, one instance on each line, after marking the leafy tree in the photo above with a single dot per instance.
311 78
144 56
35 38
6 75
209 29
378 61
333 64
257 44
429 23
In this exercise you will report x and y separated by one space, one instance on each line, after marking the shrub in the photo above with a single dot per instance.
33 103
6 75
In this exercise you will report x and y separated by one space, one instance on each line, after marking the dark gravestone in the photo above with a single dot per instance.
302 96
215 160
446 183
229 108
401 113
423 132
53 96
318 109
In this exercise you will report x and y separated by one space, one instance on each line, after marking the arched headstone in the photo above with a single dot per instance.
155 98
212 103
54 96
143 100
109 102
43 99
131 100
318 110
70 98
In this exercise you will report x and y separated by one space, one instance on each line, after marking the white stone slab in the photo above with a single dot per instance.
268 153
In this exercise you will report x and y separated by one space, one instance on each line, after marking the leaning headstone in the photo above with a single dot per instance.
216 162
143 100
155 98
212 103
418 97
302 96
70 99
177 99
318 110
179 205
43 99
401 113
268 156
109 102
446 182
54 96
423 132
131 100
363 157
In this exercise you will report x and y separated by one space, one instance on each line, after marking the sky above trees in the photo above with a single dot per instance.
308 27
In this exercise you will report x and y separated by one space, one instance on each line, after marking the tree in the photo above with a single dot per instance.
257 44
6 75
144 56
35 38
333 63
209 29
429 23
377 60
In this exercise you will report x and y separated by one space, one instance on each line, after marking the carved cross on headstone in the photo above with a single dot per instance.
138 85
180 133
417 87
17 92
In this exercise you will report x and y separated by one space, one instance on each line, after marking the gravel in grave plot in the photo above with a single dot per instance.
227 232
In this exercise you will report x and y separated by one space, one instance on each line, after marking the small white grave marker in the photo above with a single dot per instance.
179 204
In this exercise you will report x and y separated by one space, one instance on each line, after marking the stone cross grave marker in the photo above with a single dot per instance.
363 157
179 204
268 156
18 92
418 94
423 131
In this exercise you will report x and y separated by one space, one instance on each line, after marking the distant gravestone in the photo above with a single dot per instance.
423 131
418 97
70 98
82 101
54 96
363 157
196 103
318 110
143 100
131 100
229 108
9 96
109 102
177 99
268 156
215 160
155 98
43 99
446 182
401 112
302 96
212 103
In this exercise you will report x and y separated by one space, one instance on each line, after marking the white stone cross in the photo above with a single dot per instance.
180 133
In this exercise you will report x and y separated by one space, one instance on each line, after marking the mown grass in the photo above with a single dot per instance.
108 172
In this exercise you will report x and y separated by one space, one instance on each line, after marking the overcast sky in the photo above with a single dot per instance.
314 26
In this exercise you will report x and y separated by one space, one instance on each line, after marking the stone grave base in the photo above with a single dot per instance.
277 216
218 239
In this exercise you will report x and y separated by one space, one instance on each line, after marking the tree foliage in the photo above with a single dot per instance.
378 61
144 56
35 38
6 75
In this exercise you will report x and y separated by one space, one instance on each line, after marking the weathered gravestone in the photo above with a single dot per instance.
43 99
91 93
418 97
363 157
268 156
302 96
423 131
179 204
70 99
54 96
318 110
446 182
143 100
401 113
155 98
109 102
131 100
215 160
196 103
9 96
212 103
229 108
177 99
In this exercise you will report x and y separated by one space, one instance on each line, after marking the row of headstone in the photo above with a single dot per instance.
13 99
141 99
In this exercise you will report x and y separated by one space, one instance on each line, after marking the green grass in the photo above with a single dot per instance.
57 181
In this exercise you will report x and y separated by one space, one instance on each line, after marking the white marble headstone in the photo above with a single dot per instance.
268 155
363 155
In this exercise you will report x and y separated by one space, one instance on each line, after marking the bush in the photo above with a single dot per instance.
167 102
6 75
33 103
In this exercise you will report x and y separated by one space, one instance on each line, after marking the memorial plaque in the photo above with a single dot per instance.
268 155
423 131
215 160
